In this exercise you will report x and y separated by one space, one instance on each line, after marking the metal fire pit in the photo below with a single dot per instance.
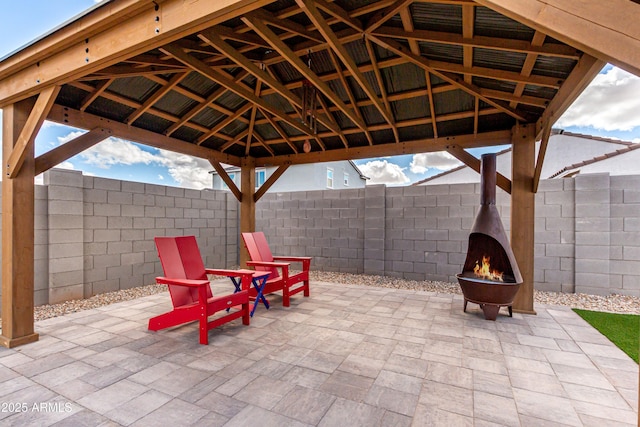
488 239
489 295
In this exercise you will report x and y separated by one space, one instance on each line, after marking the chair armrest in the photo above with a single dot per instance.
228 273
181 282
305 260
268 264
292 258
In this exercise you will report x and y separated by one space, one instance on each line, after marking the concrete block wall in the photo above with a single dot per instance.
326 225
94 235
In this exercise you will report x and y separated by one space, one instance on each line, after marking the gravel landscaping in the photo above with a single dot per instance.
611 303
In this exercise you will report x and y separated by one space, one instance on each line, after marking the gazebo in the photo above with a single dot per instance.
258 82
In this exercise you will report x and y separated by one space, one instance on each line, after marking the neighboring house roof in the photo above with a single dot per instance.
630 163
610 148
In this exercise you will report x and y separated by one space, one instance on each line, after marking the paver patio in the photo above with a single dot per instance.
348 355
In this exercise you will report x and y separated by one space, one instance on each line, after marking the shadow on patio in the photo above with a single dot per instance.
361 356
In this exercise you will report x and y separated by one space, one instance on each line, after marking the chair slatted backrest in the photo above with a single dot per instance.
181 259
258 249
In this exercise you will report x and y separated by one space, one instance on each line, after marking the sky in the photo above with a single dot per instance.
609 107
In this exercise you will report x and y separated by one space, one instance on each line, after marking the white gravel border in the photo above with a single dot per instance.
611 303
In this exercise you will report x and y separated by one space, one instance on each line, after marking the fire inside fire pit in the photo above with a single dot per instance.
490 276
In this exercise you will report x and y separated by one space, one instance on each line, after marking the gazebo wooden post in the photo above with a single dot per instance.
248 203
523 212
17 232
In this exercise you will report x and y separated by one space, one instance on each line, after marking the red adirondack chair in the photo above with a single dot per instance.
279 278
190 291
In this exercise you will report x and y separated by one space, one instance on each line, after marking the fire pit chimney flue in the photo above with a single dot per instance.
488 179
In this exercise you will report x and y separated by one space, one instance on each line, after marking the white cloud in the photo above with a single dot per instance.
383 172
611 102
440 160
189 171
65 165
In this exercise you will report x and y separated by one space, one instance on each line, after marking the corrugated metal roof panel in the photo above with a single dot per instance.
175 103
358 52
493 24
442 52
554 67
186 133
135 88
501 85
411 133
412 108
234 128
453 101
285 72
197 83
455 127
208 117
539 91
109 109
403 78
501 60
437 17
266 131
492 121
230 101
371 115
152 123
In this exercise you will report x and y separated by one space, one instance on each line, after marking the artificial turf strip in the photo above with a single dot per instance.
621 329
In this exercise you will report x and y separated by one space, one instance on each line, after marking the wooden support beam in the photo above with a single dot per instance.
392 149
583 73
474 163
211 37
340 14
270 181
225 81
201 106
226 178
218 127
51 158
265 32
383 16
606 30
18 195
323 27
24 144
248 204
155 97
92 96
523 213
136 30
280 131
427 65
75 118
546 134
380 80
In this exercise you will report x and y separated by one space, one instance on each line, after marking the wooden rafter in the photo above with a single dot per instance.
383 16
221 79
280 131
28 134
277 44
214 39
51 158
544 143
484 42
453 79
227 179
262 142
468 19
474 163
92 96
237 140
201 106
133 104
407 23
84 120
347 89
586 69
156 96
223 123
287 25
323 27
383 90
252 120
527 67
270 181
340 14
